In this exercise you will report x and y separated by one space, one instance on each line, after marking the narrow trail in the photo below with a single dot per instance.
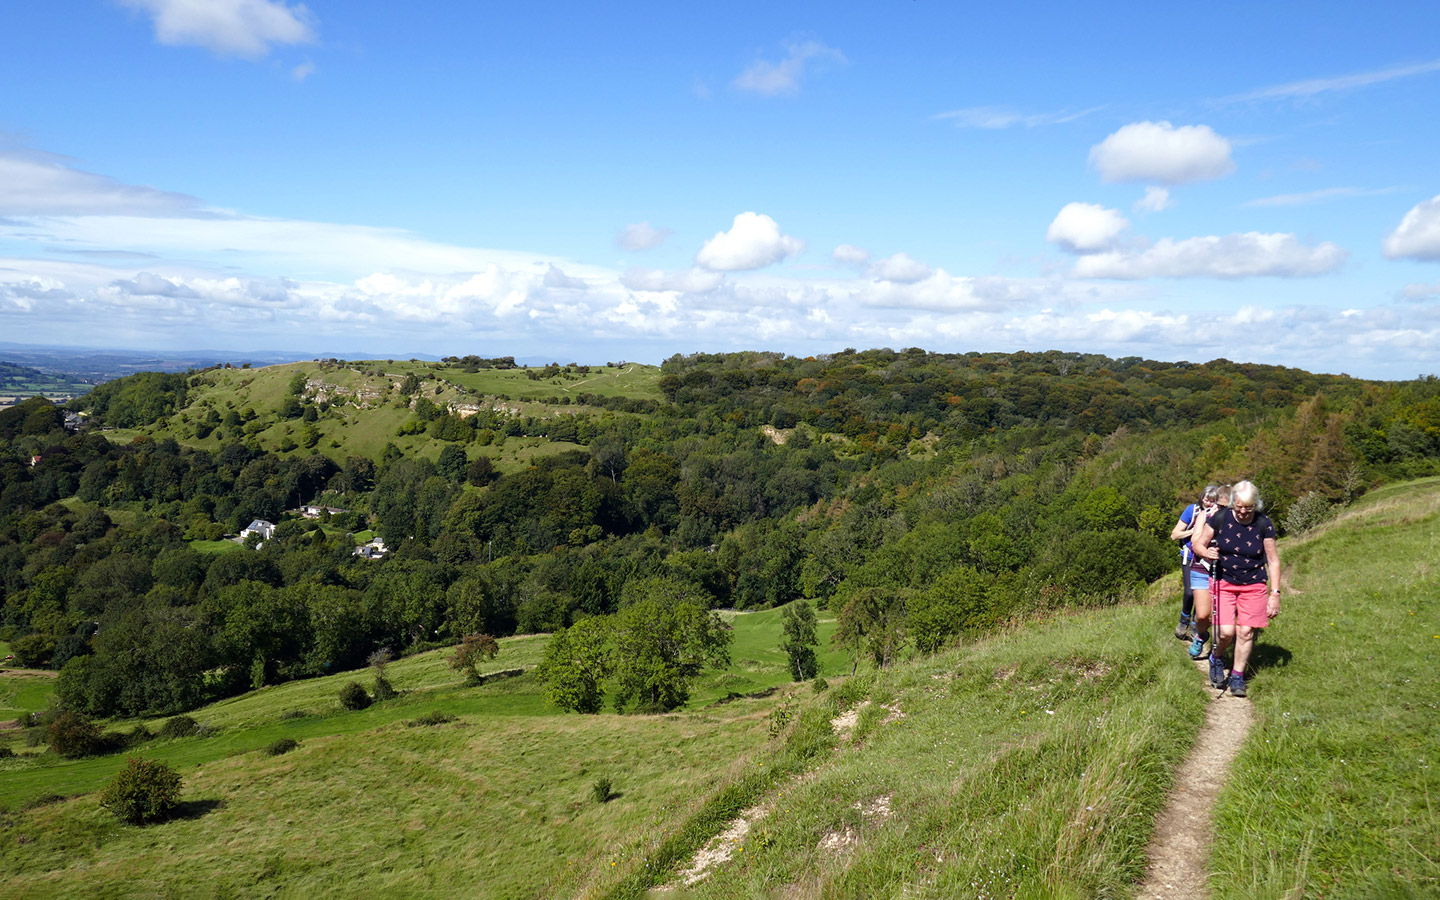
1181 846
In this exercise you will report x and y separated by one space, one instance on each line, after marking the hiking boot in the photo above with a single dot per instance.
1237 685
1217 672
1197 647
1185 630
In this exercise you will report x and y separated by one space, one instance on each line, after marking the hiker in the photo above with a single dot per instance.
1194 571
1241 542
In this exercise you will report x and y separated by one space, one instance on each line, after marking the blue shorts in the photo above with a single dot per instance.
1199 581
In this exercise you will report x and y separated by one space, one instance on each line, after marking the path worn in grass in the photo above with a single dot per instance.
1184 834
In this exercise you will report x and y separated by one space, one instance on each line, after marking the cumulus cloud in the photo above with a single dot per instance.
1418 234
850 255
689 281
900 267
1086 227
641 236
1230 256
303 71
228 27
993 118
555 277
754 241
1156 199
774 78
43 184
1160 153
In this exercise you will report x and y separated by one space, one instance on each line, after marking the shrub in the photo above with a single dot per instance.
137 735
384 690
73 735
178 727
780 717
1306 513
602 789
354 697
434 717
143 791
819 685
6 753
284 745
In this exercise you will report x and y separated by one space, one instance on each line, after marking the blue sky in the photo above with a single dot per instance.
594 182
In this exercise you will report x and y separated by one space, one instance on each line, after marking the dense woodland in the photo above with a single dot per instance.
920 496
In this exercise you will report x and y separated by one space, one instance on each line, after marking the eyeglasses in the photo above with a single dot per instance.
1242 507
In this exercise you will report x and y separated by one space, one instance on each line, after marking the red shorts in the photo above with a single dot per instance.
1252 600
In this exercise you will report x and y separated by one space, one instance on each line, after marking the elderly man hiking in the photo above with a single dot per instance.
1240 541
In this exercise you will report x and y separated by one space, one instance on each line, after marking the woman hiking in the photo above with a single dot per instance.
1195 571
1241 543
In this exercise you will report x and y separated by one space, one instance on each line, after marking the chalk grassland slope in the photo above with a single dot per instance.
367 408
1027 764
497 803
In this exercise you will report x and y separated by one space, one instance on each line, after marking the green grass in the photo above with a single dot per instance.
498 802
216 546
22 693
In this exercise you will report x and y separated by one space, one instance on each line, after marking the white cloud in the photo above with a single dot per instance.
1419 292
1311 87
850 255
1156 199
900 267
1320 196
1418 234
1086 227
303 71
228 27
1160 153
555 277
942 292
993 118
753 242
688 281
784 77
43 184
641 236
1230 256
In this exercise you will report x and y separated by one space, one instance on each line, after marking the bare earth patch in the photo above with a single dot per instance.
844 724
1181 846
721 847
876 812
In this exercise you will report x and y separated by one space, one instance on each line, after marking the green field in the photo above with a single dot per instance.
1026 764
22 693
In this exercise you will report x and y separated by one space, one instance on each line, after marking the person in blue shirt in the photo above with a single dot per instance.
1194 571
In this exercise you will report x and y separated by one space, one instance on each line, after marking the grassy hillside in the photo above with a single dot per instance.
366 408
1027 764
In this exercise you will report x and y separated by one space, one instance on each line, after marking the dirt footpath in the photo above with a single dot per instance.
1181 846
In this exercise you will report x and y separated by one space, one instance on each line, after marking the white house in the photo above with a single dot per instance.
261 527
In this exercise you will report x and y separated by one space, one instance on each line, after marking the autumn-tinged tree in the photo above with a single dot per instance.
473 650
